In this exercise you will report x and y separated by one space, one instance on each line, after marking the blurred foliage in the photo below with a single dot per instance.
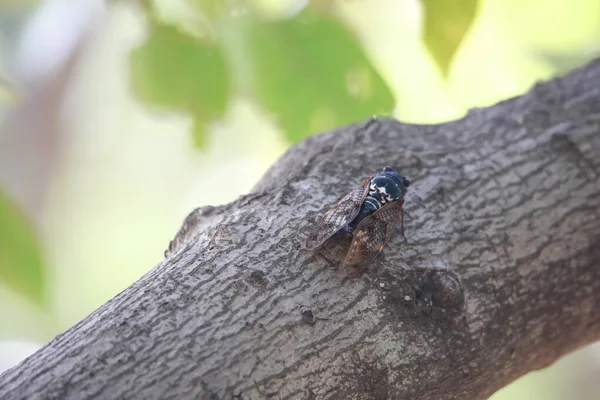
309 70
178 72
445 25
328 88
21 263
17 4
7 91
564 63
8 87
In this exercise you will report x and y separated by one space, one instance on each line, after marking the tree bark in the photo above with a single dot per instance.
500 275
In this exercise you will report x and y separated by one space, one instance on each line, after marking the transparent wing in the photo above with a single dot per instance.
341 214
371 235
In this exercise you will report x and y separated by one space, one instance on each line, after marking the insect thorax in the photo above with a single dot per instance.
385 189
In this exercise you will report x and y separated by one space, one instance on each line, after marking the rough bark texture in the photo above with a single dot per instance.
500 275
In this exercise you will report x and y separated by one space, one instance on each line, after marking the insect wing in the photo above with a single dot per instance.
338 216
371 235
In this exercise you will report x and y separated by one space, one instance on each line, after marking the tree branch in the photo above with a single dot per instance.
500 275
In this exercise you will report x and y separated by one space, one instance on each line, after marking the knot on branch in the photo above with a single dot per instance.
431 292
446 290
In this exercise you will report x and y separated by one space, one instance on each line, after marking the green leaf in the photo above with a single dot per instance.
445 26
311 72
21 262
177 72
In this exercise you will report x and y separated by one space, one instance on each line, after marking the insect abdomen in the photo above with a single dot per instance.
371 204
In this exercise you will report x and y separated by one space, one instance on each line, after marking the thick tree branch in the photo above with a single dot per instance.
500 275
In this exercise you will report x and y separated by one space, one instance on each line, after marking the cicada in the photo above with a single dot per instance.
369 213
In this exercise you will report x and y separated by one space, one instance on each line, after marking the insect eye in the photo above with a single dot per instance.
406 182
388 169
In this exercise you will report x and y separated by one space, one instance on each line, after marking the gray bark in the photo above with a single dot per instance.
500 275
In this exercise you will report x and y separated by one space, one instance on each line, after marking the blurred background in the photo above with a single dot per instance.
120 117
